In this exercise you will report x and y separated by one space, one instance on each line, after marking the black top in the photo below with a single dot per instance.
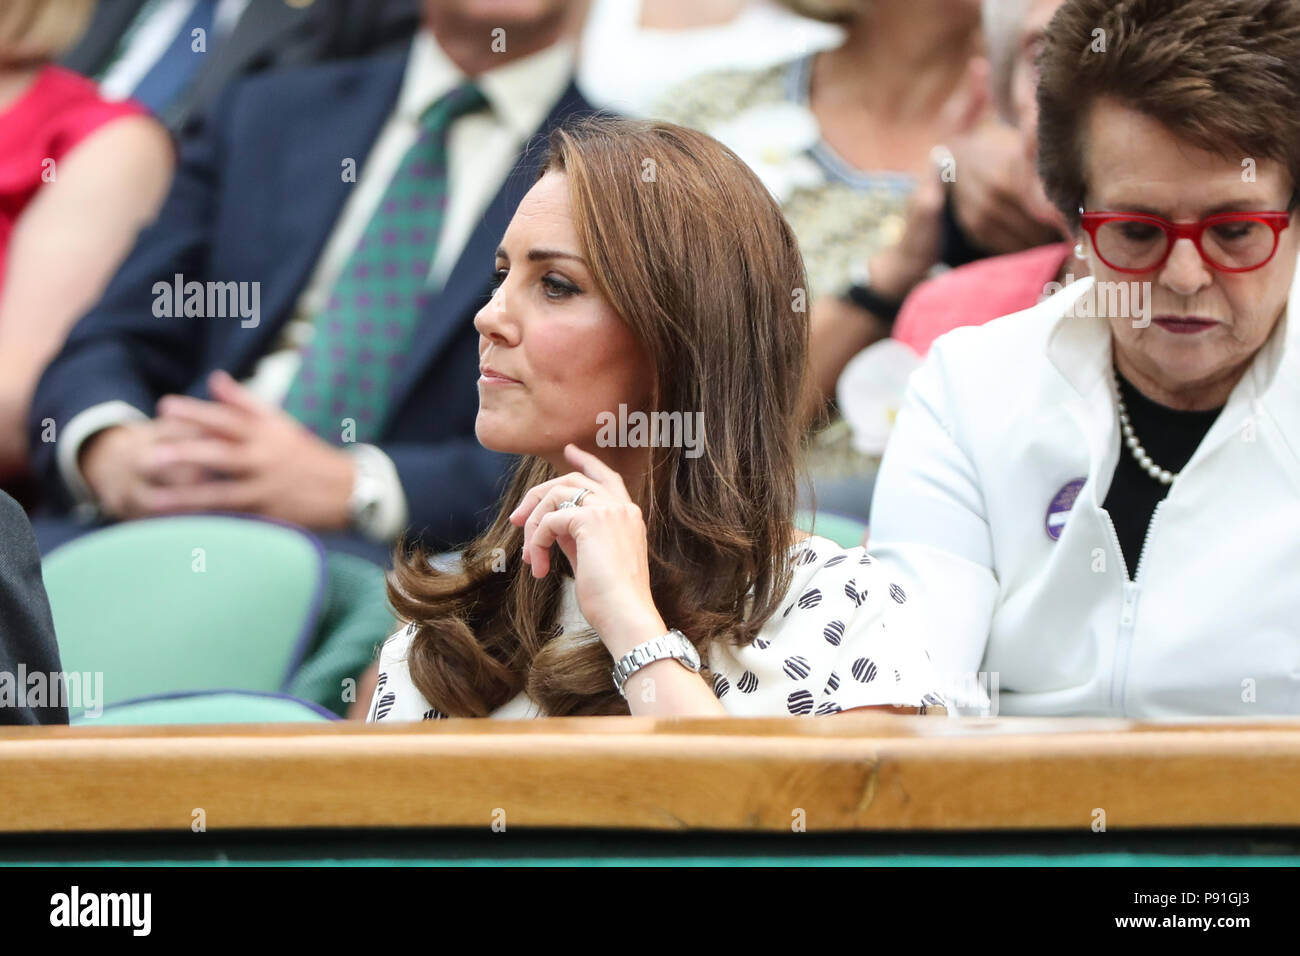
956 248
1170 437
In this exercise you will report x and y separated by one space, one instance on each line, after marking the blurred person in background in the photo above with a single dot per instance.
615 293
635 51
351 209
79 178
176 56
844 138
838 135
979 291
1096 498
869 385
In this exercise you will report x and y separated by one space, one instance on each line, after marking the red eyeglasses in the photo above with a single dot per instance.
1230 242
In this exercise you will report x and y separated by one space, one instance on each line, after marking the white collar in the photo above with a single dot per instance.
520 92
1080 348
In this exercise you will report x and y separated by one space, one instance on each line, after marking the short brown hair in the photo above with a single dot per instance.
1220 74
34 31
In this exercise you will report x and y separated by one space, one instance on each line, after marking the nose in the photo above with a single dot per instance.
1185 272
495 322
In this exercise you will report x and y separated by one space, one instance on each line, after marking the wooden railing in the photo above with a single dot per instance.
850 772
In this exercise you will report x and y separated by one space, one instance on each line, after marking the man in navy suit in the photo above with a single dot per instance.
293 338
145 49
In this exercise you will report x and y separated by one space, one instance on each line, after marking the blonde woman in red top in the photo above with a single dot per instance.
79 177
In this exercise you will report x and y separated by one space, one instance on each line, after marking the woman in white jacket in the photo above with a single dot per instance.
1098 499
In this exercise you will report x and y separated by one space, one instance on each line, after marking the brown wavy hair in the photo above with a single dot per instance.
692 252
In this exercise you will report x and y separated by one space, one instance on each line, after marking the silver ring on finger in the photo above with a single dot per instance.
576 500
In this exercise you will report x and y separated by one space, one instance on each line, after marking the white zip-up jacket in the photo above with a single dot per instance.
1008 424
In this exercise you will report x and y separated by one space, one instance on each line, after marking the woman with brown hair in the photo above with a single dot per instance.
645 353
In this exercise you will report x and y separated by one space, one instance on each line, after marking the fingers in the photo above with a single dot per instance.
989 194
537 553
998 222
203 454
225 389
173 429
555 527
209 495
223 420
595 469
535 494
544 500
1019 229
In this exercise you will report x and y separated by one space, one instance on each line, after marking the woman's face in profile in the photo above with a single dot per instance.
553 352
1197 325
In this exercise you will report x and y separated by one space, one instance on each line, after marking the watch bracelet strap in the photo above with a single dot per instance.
864 297
656 649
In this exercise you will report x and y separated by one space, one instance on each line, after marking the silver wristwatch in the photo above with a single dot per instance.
363 502
673 644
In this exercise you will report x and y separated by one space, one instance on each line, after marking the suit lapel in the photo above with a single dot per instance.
468 285
262 27
342 123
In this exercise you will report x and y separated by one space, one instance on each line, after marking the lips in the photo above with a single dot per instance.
1184 324
491 376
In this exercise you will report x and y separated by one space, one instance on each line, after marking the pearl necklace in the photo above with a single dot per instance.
1162 475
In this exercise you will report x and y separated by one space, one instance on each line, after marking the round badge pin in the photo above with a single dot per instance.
1058 512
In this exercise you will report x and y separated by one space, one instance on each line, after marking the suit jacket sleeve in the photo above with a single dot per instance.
121 350
452 488
26 626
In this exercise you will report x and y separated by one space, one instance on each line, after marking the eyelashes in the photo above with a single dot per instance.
554 286
559 288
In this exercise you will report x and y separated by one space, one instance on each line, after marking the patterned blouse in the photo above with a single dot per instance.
842 640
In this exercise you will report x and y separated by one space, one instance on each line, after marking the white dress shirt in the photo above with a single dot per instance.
149 38
482 149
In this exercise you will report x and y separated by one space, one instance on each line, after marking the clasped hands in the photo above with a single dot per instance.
233 453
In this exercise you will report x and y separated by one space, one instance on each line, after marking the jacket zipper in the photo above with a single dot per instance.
1146 539
1128 612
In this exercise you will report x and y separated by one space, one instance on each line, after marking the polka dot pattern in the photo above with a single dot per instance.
842 643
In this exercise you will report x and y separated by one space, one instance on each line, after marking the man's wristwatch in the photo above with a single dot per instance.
363 503
672 645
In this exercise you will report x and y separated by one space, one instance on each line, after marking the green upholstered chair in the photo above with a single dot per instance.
211 707
186 603
846 532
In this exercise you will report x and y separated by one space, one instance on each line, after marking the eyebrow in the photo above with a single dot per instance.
1237 205
542 255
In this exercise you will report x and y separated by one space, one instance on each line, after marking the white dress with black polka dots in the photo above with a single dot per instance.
842 639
